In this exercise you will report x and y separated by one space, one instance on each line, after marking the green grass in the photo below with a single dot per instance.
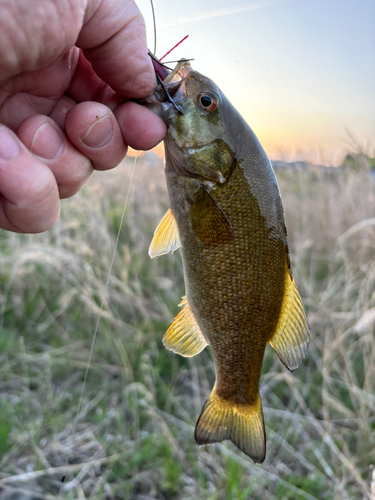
133 437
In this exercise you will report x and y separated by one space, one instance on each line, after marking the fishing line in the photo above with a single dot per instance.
106 285
177 44
100 315
177 61
169 98
154 21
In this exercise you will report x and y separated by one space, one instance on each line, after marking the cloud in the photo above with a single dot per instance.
227 11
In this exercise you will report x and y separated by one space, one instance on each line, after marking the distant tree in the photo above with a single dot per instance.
358 161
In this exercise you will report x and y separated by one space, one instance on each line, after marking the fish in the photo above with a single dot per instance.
227 218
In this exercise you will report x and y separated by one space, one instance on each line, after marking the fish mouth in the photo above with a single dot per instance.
169 94
171 89
166 93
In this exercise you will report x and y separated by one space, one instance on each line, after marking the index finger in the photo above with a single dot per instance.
113 39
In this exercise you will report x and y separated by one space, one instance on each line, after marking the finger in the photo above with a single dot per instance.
59 112
36 92
43 138
87 86
93 130
27 25
141 128
114 41
29 198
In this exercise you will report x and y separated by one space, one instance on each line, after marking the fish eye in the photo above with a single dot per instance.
207 102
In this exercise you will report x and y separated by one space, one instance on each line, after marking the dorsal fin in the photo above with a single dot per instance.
184 335
166 237
291 339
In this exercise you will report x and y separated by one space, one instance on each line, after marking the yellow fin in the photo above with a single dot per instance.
242 424
291 339
184 335
166 237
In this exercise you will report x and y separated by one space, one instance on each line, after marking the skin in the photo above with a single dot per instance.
67 72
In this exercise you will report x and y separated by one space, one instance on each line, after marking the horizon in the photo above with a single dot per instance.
159 152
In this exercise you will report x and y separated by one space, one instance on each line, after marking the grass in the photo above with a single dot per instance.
132 437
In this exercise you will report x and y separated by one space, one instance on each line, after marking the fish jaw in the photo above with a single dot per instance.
177 101
160 100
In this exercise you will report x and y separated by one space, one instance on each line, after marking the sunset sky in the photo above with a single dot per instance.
301 72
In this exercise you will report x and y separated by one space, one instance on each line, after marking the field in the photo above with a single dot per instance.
127 433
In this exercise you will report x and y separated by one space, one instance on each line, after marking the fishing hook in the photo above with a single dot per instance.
166 93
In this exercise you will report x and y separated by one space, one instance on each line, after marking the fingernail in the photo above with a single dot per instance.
99 134
9 146
47 142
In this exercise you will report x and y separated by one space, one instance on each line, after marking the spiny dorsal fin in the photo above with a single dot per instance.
166 237
184 335
291 339
241 423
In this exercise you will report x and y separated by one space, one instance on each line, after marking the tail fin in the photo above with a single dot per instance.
242 424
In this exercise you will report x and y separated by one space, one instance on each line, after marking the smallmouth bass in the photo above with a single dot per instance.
226 215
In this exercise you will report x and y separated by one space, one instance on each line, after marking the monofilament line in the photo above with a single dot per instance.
154 20
100 313
177 44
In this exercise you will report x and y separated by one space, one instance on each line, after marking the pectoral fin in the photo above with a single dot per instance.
166 237
209 222
184 335
291 339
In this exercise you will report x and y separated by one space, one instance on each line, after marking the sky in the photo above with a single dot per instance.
301 72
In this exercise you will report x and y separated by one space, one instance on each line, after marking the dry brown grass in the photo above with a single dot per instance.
134 432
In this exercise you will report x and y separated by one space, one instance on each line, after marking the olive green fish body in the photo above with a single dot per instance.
233 284
240 293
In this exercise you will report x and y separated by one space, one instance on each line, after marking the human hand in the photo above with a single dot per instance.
66 70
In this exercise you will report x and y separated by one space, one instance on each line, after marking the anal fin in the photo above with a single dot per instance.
166 237
184 335
291 339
